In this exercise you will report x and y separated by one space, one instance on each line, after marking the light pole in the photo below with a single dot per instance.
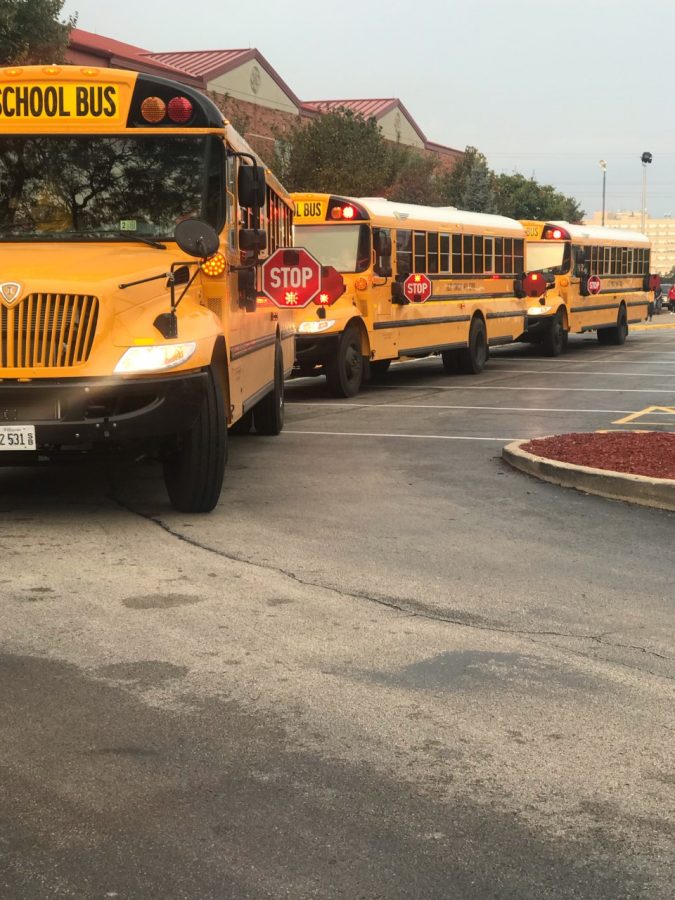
646 159
603 166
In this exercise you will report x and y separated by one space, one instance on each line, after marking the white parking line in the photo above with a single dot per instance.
443 406
494 387
422 437
510 371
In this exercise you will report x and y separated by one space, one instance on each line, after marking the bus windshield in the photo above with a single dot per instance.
99 187
345 247
550 258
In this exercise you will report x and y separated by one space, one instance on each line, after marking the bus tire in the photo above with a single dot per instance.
344 368
472 360
554 339
618 333
268 413
379 367
194 468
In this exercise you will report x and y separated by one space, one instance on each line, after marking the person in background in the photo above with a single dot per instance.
658 301
671 298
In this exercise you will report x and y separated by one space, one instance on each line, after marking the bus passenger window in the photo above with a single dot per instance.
432 245
467 245
403 253
489 258
445 253
420 251
457 254
518 255
499 256
508 256
478 255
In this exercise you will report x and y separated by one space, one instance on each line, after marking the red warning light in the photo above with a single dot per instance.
179 110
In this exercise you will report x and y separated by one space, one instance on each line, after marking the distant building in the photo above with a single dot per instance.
661 232
251 93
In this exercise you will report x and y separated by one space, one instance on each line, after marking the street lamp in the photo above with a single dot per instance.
603 166
646 160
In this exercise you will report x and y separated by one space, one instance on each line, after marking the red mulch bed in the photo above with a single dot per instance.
648 453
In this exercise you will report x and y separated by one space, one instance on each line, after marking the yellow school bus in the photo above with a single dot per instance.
419 280
598 280
133 219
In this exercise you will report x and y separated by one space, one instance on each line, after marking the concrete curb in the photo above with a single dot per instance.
656 492
652 326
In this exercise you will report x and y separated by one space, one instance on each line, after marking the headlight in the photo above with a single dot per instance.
315 327
539 310
154 358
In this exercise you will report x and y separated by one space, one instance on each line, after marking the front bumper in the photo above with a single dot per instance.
79 413
316 348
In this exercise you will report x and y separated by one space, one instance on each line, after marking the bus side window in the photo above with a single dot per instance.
403 254
432 248
580 262
420 251
216 194
231 201
519 255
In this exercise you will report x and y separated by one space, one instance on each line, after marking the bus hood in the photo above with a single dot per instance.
81 268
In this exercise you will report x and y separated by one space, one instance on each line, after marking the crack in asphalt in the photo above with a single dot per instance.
410 609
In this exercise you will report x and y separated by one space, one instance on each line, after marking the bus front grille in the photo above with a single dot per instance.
48 330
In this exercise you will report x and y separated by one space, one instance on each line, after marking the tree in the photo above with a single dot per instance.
31 32
339 152
414 178
453 185
478 194
524 198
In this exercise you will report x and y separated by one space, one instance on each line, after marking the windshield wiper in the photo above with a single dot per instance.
143 240
123 235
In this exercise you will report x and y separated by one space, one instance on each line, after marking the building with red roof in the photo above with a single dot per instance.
250 91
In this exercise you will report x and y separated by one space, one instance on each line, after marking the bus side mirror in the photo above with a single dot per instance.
196 238
248 293
398 294
252 240
251 187
382 266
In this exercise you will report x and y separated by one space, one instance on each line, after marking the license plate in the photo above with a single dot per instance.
17 437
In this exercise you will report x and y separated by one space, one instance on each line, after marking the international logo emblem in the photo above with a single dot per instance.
10 291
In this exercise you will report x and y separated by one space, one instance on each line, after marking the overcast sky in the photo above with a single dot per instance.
544 88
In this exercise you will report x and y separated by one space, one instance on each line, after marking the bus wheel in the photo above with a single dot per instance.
554 339
472 360
344 368
379 367
268 414
618 333
194 469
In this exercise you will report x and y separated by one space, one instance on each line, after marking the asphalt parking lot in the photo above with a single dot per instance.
386 666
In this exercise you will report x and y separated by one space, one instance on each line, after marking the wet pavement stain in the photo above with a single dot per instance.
161 601
144 674
476 669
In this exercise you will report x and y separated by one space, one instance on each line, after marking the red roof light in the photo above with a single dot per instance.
179 110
